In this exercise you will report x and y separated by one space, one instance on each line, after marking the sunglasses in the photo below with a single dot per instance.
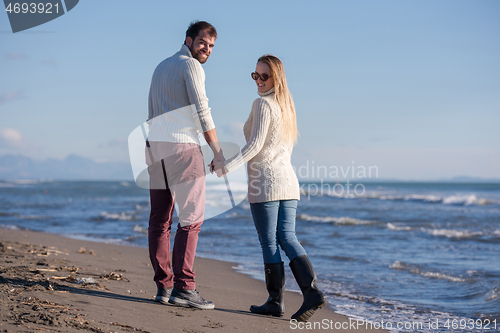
263 77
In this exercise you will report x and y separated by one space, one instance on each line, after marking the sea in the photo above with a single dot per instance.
405 256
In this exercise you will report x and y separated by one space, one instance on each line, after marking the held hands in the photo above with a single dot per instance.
219 168
218 165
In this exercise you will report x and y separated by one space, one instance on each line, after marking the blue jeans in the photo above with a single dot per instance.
275 224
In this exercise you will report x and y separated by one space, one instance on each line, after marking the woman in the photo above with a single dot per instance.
273 188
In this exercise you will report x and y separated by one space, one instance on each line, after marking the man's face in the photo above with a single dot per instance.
201 46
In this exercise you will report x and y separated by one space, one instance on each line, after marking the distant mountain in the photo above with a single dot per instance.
73 167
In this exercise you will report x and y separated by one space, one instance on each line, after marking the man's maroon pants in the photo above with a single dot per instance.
177 174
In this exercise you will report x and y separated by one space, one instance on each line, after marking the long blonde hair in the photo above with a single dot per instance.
283 98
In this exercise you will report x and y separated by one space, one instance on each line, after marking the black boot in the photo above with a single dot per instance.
306 279
275 283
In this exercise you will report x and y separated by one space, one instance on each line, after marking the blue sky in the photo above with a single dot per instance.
412 87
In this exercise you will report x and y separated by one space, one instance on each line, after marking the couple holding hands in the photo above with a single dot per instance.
178 112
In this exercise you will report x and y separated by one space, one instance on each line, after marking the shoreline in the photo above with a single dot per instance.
39 292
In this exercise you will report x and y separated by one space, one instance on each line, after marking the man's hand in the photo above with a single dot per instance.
213 142
218 158
219 167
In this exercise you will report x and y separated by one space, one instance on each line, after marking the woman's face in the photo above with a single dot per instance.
263 68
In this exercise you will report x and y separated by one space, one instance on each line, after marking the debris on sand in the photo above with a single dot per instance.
113 276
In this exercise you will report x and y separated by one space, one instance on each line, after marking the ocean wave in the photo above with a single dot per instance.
423 197
448 233
397 227
139 229
233 214
399 265
493 294
94 238
235 187
117 216
458 200
366 299
452 233
11 227
214 203
437 275
33 217
465 200
372 309
414 269
344 220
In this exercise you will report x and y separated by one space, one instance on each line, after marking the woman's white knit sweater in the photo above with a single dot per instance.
270 173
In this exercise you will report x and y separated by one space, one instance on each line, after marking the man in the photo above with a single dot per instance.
178 112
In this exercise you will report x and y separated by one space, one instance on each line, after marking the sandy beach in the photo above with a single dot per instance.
50 283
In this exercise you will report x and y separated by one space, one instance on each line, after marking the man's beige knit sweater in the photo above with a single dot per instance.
178 104
270 173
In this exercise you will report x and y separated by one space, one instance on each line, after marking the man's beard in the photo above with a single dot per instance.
199 56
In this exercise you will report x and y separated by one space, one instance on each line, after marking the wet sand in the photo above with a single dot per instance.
50 283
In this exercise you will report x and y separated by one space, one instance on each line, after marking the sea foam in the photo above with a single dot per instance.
343 220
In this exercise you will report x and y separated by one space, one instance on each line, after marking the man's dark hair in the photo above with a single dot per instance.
196 26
